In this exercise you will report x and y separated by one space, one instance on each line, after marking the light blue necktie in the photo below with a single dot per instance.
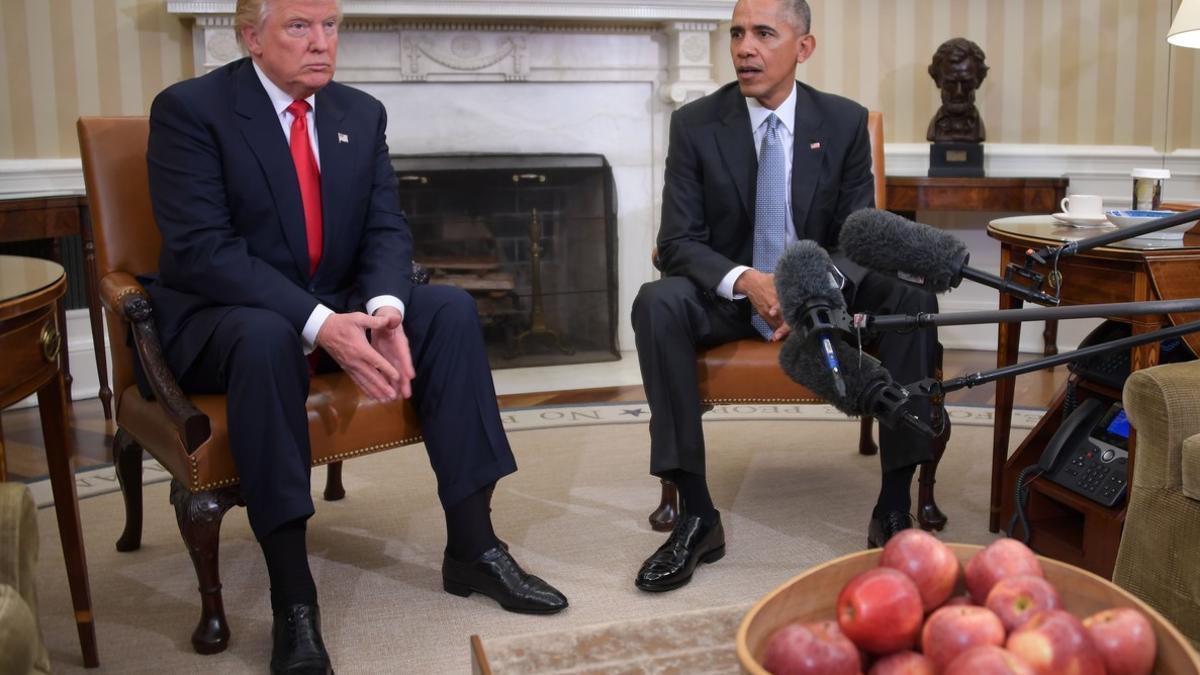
770 209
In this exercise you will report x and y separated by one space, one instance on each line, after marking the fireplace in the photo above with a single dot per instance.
532 238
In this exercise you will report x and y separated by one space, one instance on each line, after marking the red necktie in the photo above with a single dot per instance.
310 181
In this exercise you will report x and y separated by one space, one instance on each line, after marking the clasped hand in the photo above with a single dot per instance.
381 367
759 287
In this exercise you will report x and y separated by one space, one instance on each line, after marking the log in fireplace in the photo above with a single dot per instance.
532 238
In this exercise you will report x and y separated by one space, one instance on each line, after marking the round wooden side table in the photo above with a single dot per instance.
31 340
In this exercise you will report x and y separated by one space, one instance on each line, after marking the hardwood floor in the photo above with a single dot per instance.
22 436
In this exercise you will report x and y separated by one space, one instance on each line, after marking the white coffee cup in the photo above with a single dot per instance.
1083 206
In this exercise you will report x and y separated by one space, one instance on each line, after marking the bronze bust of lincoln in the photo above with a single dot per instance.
958 68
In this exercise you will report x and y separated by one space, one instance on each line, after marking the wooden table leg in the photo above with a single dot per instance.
1007 347
95 314
1050 338
52 404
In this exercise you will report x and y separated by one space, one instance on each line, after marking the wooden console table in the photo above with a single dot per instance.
30 292
908 194
1022 195
1087 533
32 217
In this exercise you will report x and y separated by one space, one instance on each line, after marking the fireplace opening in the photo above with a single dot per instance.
532 238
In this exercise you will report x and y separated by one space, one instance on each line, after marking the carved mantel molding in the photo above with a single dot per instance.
482 40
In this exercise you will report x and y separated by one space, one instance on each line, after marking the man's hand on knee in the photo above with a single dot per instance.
392 343
344 337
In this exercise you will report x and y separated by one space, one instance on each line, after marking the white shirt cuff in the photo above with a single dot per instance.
385 301
313 326
725 288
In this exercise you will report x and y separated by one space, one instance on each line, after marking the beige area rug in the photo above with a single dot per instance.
792 494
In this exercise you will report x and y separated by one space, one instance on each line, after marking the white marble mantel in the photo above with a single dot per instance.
524 76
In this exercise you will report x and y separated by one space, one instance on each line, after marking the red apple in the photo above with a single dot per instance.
950 631
880 610
1125 640
988 660
1001 558
811 649
1016 599
931 565
903 663
1054 641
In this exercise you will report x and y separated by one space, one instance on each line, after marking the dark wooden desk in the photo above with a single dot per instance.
26 218
30 291
908 194
1019 195
1132 270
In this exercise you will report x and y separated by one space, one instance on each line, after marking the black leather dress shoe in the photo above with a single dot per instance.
298 648
886 526
499 577
690 543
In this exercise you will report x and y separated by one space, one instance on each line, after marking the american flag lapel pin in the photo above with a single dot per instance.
343 138
815 145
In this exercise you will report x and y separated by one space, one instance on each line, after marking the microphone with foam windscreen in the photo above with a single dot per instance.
869 388
894 245
812 301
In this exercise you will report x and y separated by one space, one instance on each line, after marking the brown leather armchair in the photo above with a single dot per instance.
187 435
747 372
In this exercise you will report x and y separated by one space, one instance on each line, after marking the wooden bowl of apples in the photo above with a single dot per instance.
816 597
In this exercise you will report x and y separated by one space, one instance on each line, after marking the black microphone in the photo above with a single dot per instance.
920 254
812 301
870 389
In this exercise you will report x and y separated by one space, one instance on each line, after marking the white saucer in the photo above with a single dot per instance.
1081 221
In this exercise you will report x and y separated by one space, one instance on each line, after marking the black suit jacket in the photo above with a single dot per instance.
227 202
712 169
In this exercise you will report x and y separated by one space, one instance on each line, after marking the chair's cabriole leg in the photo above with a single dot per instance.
199 515
866 440
929 516
127 456
663 518
333 483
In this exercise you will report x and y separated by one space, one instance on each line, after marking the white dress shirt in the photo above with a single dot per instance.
786 112
281 101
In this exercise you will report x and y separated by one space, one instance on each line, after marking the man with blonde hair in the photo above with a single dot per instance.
282 237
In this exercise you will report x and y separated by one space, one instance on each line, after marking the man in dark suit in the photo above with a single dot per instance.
282 237
751 168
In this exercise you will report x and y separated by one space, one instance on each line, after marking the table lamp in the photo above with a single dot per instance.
1185 29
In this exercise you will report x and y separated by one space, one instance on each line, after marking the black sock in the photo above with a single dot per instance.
469 526
693 495
287 566
894 492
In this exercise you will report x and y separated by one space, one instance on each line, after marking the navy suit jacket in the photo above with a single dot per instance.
227 202
712 169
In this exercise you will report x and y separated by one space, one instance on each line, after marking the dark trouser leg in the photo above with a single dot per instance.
909 357
671 318
255 357
453 393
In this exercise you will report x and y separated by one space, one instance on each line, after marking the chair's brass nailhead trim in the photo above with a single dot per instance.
197 487
727 401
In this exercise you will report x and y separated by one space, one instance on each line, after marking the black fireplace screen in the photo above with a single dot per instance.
532 238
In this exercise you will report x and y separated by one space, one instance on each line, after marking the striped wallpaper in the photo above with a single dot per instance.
60 59
1087 72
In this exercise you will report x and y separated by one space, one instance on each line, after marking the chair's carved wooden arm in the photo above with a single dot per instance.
124 296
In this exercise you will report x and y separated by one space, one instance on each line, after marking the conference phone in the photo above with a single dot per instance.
1089 454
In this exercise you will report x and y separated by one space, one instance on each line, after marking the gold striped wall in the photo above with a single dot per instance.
60 59
1086 72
